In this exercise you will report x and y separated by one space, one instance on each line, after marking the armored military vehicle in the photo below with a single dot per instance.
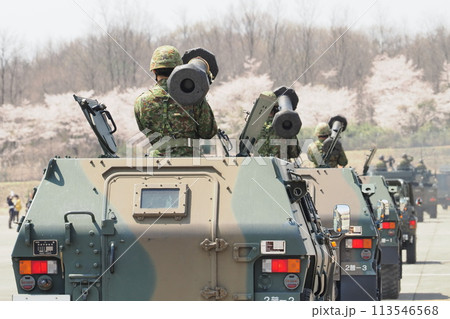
404 198
390 236
358 250
218 228
425 188
443 186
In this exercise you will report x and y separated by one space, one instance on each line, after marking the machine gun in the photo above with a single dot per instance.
338 124
368 160
98 117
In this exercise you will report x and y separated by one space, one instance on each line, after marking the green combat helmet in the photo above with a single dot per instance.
381 165
322 129
269 94
165 56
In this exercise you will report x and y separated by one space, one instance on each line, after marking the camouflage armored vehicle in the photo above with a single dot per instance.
390 236
404 198
425 189
220 228
409 176
443 186
358 250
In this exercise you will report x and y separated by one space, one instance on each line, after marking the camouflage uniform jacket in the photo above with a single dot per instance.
273 143
381 166
404 165
337 157
157 112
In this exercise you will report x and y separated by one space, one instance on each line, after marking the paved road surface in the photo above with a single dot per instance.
426 280
429 278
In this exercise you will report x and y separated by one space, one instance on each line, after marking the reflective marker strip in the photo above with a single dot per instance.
52 267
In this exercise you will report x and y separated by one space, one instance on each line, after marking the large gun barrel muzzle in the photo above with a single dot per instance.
286 121
337 124
189 83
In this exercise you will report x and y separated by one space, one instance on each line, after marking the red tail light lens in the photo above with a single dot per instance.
388 225
34 267
358 243
432 199
412 224
281 265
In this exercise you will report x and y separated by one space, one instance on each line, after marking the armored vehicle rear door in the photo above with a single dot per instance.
82 249
162 243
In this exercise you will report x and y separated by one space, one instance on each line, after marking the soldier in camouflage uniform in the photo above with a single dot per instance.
163 120
315 153
381 165
274 144
421 168
405 164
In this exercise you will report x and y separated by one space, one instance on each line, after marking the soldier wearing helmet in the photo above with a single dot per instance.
315 153
421 168
163 120
273 145
405 163
381 165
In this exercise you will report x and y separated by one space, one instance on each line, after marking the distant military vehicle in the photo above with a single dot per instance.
425 189
417 188
223 228
404 198
358 250
443 186
390 236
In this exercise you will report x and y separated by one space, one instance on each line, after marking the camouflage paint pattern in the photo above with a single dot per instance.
328 188
208 248
271 145
156 112
405 163
337 157
165 56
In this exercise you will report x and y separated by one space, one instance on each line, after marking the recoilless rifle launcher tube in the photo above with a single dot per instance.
286 121
189 83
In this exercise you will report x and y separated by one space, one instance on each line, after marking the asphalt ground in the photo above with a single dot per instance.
427 279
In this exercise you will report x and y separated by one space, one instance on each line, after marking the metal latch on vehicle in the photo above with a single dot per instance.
218 293
219 244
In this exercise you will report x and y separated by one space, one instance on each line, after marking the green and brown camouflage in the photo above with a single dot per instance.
270 137
165 56
172 229
337 156
212 241
405 163
389 222
272 147
358 250
327 151
158 116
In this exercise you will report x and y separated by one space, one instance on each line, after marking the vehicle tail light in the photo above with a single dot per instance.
281 265
32 267
358 243
412 224
388 225
432 199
